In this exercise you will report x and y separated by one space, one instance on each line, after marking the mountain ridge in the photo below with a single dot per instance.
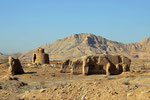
77 45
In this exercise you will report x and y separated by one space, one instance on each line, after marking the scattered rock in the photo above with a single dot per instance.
145 92
83 97
114 93
110 78
42 90
129 94
23 84
97 83
54 88
126 83
52 74
63 92
130 76
13 78
133 87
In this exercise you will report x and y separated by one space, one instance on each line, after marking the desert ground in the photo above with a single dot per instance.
45 82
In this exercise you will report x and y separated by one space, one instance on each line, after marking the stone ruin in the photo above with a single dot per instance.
97 64
15 66
40 57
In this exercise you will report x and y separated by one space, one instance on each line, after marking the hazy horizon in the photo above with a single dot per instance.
26 24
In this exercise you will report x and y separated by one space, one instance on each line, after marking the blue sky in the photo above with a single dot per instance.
28 24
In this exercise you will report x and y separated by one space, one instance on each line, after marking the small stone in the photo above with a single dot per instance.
33 96
126 83
42 90
12 78
54 88
26 92
129 94
83 97
114 93
145 92
23 84
97 83
28 64
52 74
15 78
22 98
80 88
63 91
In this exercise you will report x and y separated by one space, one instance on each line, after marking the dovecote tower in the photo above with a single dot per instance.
40 57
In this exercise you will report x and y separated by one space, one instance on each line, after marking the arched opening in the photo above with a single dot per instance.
34 58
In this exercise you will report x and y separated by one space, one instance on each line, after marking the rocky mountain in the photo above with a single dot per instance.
16 55
82 44
2 55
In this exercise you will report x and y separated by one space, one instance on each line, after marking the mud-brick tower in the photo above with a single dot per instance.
40 57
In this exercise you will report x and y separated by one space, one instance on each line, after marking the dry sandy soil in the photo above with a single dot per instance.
46 83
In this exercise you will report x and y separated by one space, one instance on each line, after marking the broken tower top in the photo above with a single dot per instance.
40 50
40 57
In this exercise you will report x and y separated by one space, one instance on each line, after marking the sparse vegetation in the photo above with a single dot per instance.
126 83
4 60
130 76
110 78
60 86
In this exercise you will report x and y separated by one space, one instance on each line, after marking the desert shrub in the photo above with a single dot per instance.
130 76
110 78
126 83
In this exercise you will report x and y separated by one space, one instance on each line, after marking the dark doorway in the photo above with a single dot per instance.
34 58
101 67
91 69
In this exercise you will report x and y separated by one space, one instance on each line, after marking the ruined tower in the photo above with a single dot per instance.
40 57
15 66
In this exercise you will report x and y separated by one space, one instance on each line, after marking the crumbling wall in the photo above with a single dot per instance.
97 64
15 66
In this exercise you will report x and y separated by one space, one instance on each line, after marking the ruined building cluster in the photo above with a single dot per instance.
94 64
97 64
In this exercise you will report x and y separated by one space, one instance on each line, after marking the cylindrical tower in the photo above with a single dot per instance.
40 57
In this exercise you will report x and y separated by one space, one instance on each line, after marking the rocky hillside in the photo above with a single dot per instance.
1 54
16 55
2 57
78 45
